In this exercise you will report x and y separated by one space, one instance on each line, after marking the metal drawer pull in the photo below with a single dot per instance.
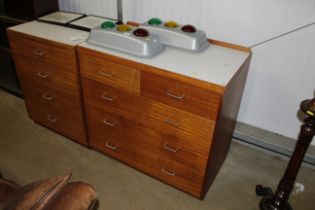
168 173
167 147
172 122
107 98
112 124
39 52
42 74
47 97
110 146
106 74
52 119
169 93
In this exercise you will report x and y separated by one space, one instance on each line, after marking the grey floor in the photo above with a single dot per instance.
29 151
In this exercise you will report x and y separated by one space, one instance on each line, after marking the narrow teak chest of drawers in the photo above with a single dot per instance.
171 116
48 73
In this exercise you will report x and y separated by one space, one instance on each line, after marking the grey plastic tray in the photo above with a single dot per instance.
126 42
175 37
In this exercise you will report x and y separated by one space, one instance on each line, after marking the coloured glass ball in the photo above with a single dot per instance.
171 24
108 25
155 21
123 28
189 29
141 32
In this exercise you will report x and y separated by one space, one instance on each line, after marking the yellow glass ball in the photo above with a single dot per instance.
171 24
123 28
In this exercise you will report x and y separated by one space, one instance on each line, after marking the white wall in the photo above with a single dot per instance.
282 71
105 8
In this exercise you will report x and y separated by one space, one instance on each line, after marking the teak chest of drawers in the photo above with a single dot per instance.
173 127
48 74
171 116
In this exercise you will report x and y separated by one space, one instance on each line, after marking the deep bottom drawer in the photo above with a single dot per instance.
68 124
173 173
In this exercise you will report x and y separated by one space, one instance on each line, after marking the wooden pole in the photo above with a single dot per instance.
279 199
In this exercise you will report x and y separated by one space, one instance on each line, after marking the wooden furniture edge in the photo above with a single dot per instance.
239 71
225 124
83 107
230 45
50 42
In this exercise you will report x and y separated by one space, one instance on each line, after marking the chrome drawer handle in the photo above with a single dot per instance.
108 98
106 74
107 144
39 52
172 122
42 74
47 97
167 147
52 119
168 173
112 124
169 93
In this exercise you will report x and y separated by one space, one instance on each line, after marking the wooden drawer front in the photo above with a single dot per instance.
181 95
41 69
102 120
52 100
104 95
40 50
169 171
159 144
165 118
107 143
185 139
99 69
66 122
38 76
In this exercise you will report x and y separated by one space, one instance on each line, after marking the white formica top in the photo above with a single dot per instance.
52 32
216 64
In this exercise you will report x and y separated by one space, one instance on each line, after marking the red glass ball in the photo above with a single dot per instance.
189 29
141 32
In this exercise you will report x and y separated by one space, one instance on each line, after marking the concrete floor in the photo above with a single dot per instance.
29 151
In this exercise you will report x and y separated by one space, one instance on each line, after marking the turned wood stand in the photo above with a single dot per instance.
279 199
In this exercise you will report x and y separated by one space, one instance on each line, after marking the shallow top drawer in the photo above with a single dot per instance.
96 67
42 50
181 95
